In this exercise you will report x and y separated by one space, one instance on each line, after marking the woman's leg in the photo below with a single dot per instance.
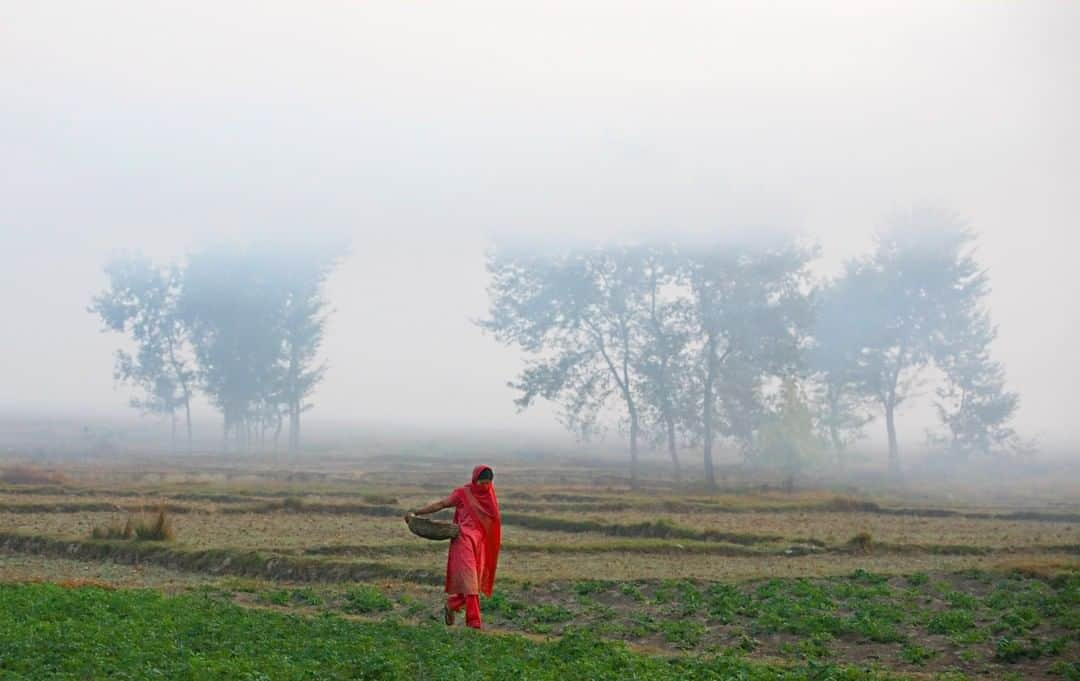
472 611
455 602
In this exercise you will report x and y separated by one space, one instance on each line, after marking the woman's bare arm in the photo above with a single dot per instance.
433 507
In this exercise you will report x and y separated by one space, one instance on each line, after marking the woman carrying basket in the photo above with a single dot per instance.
474 552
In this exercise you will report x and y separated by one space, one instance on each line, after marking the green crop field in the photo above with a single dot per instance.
51 632
262 574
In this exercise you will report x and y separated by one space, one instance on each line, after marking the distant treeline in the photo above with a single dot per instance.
240 324
733 338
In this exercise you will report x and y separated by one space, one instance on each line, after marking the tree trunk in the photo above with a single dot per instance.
838 448
894 449
633 447
294 429
187 417
172 433
707 410
672 449
834 432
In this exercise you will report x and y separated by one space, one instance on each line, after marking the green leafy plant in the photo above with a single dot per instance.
916 654
366 599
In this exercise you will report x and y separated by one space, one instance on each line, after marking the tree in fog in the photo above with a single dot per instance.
581 315
787 439
664 361
972 403
230 300
920 275
303 323
142 302
750 317
842 408
257 318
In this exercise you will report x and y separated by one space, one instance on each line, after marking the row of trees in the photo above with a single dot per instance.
734 339
243 325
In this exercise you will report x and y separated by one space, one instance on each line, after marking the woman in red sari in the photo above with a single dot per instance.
474 553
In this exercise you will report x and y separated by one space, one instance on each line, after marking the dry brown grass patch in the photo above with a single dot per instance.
862 543
158 527
32 475
114 530
1038 568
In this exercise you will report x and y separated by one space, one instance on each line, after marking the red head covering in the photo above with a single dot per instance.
484 506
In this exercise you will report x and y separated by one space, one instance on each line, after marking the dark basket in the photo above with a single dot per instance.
431 529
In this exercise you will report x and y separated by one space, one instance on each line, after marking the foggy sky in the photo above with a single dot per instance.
422 130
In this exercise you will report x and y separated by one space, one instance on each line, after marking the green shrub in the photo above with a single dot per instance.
365 599
631 591
950 622
1021 619
1010 650
276 597
684 634
816 647
500 604
548 614
724 602
1070 671
306 596
916 654
961 601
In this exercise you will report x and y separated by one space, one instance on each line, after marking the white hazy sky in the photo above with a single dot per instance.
420 130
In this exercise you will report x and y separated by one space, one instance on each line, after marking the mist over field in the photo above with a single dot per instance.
555 340
422 136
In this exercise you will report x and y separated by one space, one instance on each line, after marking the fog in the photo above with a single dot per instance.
422 132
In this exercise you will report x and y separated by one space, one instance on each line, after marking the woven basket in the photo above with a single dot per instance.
431 529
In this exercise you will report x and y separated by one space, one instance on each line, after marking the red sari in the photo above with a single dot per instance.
474 553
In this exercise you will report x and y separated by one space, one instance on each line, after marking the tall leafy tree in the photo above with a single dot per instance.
303 323
142 301
787 437
973 403
665 358
257 316
842 409
920 274
231 302
751 316
580 315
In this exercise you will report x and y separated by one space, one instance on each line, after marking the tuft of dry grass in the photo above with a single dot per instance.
156 528
114 530
861 543
292 504
32 475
